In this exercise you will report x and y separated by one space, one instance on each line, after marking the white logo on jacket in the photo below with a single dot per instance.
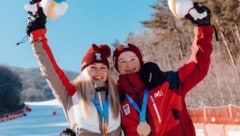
159 93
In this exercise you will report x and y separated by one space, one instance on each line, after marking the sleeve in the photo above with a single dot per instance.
56 78
196 69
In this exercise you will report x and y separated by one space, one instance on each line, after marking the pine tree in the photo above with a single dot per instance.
10 88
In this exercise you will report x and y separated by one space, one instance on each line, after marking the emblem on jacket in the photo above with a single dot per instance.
159 93
126 109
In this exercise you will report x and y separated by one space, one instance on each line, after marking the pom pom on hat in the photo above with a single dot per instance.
105 50
96 54
126 47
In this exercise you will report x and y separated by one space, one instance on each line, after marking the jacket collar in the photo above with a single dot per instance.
132 85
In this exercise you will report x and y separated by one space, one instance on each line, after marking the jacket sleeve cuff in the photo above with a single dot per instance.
203 31
37 34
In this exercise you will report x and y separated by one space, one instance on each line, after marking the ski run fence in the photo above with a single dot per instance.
216 121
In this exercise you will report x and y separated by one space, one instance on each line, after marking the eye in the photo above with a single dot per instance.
123 61
93 67
133 59
104 68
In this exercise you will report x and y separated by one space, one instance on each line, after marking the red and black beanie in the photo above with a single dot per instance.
96 54
126 47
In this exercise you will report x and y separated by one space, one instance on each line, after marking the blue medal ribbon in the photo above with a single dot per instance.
104 111
143 110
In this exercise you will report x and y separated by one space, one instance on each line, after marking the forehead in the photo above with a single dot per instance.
126 55
98 64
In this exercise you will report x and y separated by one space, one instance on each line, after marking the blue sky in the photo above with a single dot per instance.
86 22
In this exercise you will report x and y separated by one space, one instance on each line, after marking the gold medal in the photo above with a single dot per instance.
143 129
105 128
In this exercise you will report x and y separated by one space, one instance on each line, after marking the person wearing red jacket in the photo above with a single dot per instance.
153 101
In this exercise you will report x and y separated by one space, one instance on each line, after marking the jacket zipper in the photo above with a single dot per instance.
155 108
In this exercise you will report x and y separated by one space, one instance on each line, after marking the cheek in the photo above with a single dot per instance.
137 66
105 76
91 74
121 70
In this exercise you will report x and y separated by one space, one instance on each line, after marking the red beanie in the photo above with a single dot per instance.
126 47
96 54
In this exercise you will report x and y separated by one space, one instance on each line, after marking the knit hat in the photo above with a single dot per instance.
96 54
126 47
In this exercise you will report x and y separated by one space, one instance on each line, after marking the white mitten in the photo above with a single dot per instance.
180 8
54 8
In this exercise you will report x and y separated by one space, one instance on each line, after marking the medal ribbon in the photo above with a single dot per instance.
104 111
142 112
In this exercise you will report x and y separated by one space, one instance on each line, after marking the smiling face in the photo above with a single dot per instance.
98 71
128 63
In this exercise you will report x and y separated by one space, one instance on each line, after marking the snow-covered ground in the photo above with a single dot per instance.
39 122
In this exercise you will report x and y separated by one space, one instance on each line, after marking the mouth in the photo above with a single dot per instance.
98 78
130 70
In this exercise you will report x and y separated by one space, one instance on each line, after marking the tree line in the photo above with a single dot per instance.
10 91
18 85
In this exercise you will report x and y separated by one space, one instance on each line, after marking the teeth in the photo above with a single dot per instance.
98 77
130 71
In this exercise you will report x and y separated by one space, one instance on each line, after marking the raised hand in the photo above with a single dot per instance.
36 17
151 75
200 21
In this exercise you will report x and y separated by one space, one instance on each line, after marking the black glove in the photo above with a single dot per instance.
34 1
151 75
200 22
35 20
67 132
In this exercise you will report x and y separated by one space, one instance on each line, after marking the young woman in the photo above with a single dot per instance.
90 102
153 101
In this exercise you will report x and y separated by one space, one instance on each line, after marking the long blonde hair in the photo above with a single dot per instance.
85 90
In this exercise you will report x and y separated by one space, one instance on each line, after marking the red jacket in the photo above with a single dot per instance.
166 109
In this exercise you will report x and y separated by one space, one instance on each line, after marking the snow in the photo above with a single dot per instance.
41 122
53 102
38 122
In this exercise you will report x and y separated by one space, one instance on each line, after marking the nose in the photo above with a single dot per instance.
99 71
129 64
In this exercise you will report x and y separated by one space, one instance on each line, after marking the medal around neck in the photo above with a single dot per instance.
105 129
143 129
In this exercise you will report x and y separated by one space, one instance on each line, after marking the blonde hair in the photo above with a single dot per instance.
85 90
